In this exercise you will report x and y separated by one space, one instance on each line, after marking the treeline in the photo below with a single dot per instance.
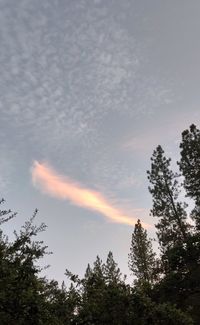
166 286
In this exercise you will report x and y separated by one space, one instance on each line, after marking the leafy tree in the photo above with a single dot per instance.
20 299
26 298
6 215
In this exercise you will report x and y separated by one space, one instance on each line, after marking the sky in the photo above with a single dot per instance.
88 89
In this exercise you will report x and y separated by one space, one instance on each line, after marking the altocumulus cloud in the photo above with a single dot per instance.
50 182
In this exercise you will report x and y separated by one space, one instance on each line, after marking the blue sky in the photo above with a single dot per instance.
89 88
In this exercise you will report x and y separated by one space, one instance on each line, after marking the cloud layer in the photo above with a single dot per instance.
49 182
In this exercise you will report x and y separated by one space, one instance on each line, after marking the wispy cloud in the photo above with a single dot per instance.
50 182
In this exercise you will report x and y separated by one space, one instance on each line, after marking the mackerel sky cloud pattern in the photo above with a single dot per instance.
93 86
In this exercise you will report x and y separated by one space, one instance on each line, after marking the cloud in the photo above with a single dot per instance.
49 182
96 71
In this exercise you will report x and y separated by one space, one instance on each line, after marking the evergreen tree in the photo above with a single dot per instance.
105 297
117 294
111 270
101 297
60 303
172 226
91 309
190 167
180 245
144 311
142 257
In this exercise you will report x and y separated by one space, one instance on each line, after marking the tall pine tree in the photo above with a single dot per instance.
141 257
190 167
172 225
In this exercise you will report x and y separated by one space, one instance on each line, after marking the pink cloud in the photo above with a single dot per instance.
51 183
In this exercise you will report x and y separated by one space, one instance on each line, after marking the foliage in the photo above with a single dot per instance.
142 258
172 226
6 215
190 167
179 240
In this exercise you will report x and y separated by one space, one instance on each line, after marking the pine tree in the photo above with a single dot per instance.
190 167
172 226
141 257
111 270
180 245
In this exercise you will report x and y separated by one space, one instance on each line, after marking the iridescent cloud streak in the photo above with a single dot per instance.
50 182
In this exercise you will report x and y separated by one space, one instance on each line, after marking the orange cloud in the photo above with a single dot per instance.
61 187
